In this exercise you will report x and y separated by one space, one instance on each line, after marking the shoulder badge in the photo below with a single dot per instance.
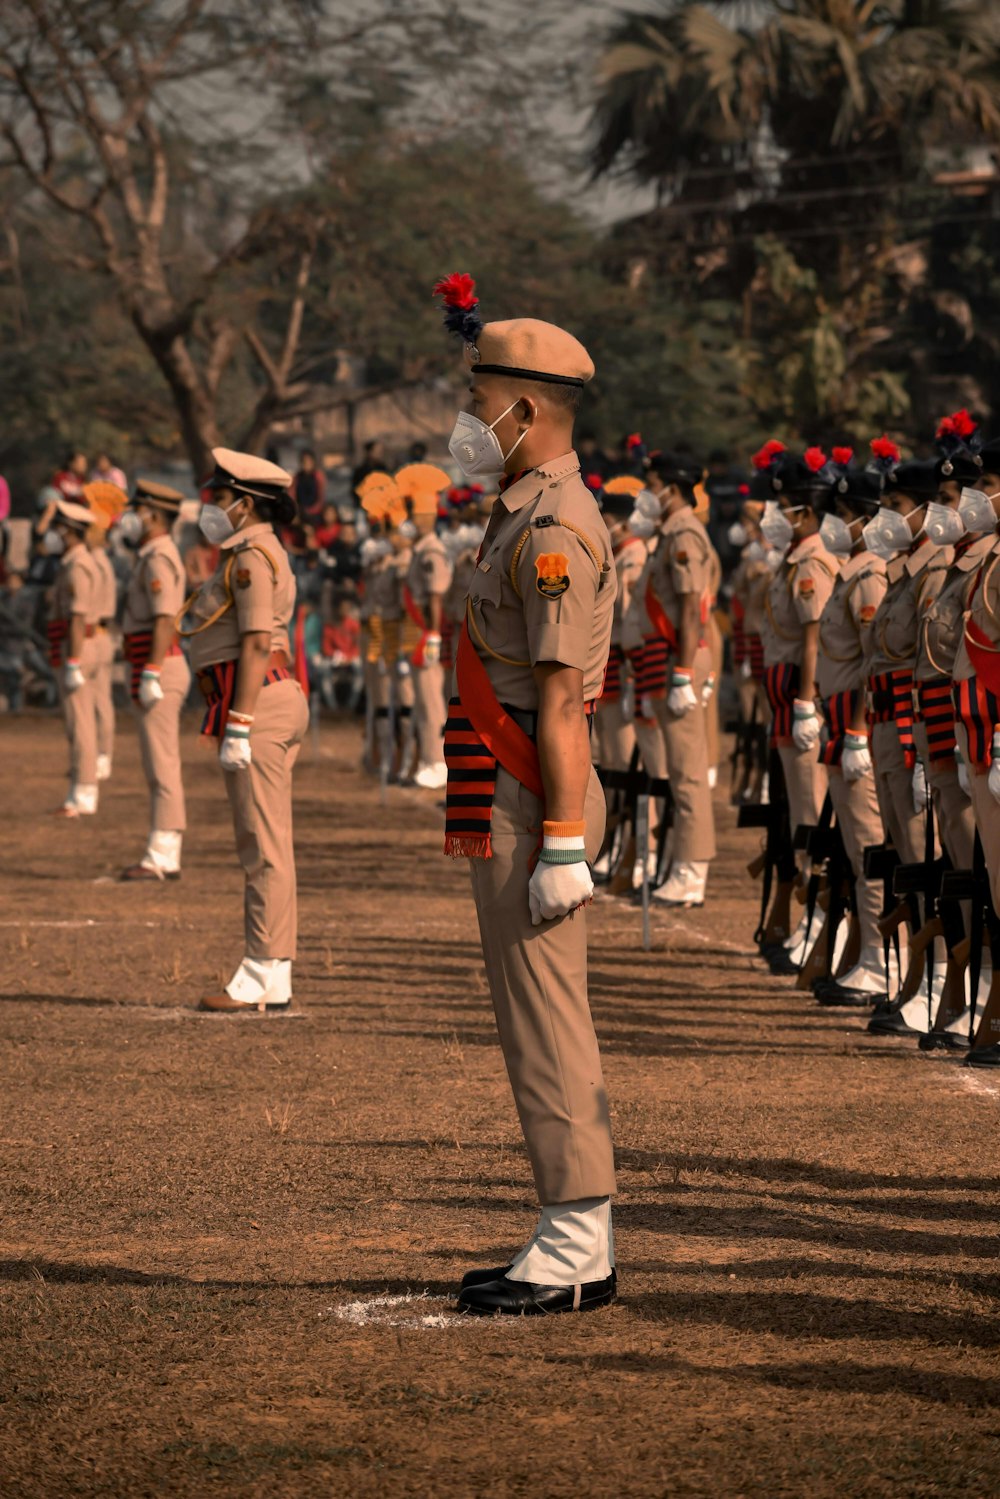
243 577
807 586
867 613
681 555
553 574
155 586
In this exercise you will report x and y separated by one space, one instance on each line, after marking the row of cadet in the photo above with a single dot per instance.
867 643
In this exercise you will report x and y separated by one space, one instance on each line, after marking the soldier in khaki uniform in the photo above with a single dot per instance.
158 674
531 657
613 728
795 600
377 494
841 678
257 711
428 579
750 583
73 619
106 604
678 583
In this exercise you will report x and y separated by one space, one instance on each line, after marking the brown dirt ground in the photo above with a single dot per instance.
202 1217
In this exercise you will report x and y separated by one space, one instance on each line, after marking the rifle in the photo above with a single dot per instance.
774 865
987 1032
619 832
632 784
957 885
826 848
919 885
880 863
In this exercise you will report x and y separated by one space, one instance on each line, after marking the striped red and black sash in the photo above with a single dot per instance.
740 651
447 642
218 683
57 631
649 667
891 701
938 715
137 648
781 683
978 709
612 690
472 784
839 711
755 654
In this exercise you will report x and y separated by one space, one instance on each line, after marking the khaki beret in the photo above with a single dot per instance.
80 515
247 472
158 494
106 500
531 349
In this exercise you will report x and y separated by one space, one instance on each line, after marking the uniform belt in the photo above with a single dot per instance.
207 682
102 626
527 718
89 631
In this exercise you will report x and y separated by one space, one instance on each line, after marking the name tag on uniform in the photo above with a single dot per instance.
541 521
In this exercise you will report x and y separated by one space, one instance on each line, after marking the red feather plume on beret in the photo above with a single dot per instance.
959 424
766 455
843 456
884 447
814 459
458 292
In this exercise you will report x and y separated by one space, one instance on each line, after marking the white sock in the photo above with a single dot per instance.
163 852
258 979
572 1245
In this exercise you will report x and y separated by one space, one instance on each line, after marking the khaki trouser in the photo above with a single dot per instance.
986 810
860 823
687 766
81 719
805 784
159 742
104 703
261 802
431 711
894 784
538 982
614 736
716 648
956 824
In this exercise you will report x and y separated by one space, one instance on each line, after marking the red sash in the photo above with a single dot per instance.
658 618
57 630
137 648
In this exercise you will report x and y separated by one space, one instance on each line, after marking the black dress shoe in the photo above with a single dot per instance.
836 994
519 1298
780 961
983 1056
483 1277
891 1023
943 1041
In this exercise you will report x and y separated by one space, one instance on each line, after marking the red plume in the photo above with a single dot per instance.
766 455
634 440
815 459
458 290
884 447
843 456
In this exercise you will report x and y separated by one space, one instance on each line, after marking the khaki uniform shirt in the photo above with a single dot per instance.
429 571
681 564
942 617
107 586
544 590
77 587
845 624
751 580
630 562
796 596
914 581
156 586
461 582
983 610
260 601
383 589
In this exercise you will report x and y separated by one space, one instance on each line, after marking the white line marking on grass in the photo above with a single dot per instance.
383 1311
86 921
976 1084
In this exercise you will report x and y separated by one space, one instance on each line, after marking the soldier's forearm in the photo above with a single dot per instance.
810 650
163 634
435 612
77 635
689 631
255 653
563 741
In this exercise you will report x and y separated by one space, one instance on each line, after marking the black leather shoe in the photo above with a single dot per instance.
519 1298
943 1041
983 1056
836 994
780 961
891 1023
483 1277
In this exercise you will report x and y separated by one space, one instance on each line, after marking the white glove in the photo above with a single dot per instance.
708 689
647 707
964 784
805 726
681 698
402 667
235 752
150 691
432 650
562 880
994 777
746 670
856 760
73 677
919 785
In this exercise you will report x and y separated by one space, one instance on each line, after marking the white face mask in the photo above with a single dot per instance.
53 544
942 525
754 551
215 524
976 510
407 530
642 527
835 534
476 447
130 528
737 535
887 533
374 549
776 526
648 504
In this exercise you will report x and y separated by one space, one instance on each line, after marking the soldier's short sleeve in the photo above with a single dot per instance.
164 584
559 575
437 570
812 585
81 589
866 595
252 582
687 557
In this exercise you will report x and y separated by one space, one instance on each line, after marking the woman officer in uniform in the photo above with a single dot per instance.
239 648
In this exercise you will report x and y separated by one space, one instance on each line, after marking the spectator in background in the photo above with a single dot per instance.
4 532
70 479
309 488
327 528
417 452
105 471
727 494
372 462
340 568
595 465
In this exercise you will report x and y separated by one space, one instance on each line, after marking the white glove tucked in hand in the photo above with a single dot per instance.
681 698
235 752
432 649
805 726
73 677
856 760
994 776
562 880
708 689
919 787
150 691
964 784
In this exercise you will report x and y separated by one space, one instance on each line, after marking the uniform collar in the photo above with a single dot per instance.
973 554
922 553
811 546
677 520
531 484
852 565
155 542
240 536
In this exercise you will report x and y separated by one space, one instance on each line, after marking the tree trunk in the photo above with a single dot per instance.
195 405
